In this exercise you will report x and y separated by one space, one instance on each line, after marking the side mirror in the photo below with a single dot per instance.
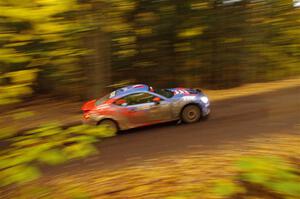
156 100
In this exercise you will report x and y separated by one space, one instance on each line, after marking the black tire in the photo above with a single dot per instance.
110 124
191 114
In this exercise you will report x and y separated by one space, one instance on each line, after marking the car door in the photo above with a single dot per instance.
134 108
139 109
160 111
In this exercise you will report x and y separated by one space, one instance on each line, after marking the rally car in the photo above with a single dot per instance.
141 105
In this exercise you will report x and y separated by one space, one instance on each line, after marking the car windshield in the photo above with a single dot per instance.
102 99
164 92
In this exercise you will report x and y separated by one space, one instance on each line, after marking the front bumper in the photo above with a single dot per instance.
206 110
89 122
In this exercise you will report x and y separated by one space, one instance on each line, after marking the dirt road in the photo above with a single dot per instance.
233 122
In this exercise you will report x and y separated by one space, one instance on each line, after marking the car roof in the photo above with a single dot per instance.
129 89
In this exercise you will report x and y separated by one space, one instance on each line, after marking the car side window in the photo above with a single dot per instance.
137 98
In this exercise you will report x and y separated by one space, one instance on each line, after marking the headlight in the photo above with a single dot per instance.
204 99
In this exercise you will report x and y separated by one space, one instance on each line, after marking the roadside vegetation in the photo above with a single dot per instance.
263 168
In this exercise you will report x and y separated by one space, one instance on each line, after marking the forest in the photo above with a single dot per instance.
84 48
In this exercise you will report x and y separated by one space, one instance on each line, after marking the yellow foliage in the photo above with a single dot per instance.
144 31
183 47
232 40
17 13
23 76
48 38
126 53
39 10
4 36
38 22
10 55
191 32
61 52
125 40
48 2
4 100
268 21
294 32
51 27
6 131
200 5
21 37
124 6
22 115
168 8
146 17
15 91
16 44
117 26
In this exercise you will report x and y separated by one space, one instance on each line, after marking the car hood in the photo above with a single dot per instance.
90 105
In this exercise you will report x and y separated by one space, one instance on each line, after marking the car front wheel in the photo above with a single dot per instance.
110 125
191 114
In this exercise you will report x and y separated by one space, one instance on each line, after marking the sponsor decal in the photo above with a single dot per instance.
188 98
181 91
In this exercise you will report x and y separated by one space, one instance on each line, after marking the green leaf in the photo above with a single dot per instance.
52 157
19 174
226 188
27 142
100 131
79 150
82 138
287 188
258 178
79 129
191 32
46 130
7 132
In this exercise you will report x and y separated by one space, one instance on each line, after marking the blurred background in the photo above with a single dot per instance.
84 48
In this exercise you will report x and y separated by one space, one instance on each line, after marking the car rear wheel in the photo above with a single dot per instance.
110 125
191 114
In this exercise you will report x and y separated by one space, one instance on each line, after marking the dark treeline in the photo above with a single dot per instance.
83 48
209 43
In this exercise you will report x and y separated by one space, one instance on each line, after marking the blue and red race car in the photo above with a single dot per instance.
141 105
